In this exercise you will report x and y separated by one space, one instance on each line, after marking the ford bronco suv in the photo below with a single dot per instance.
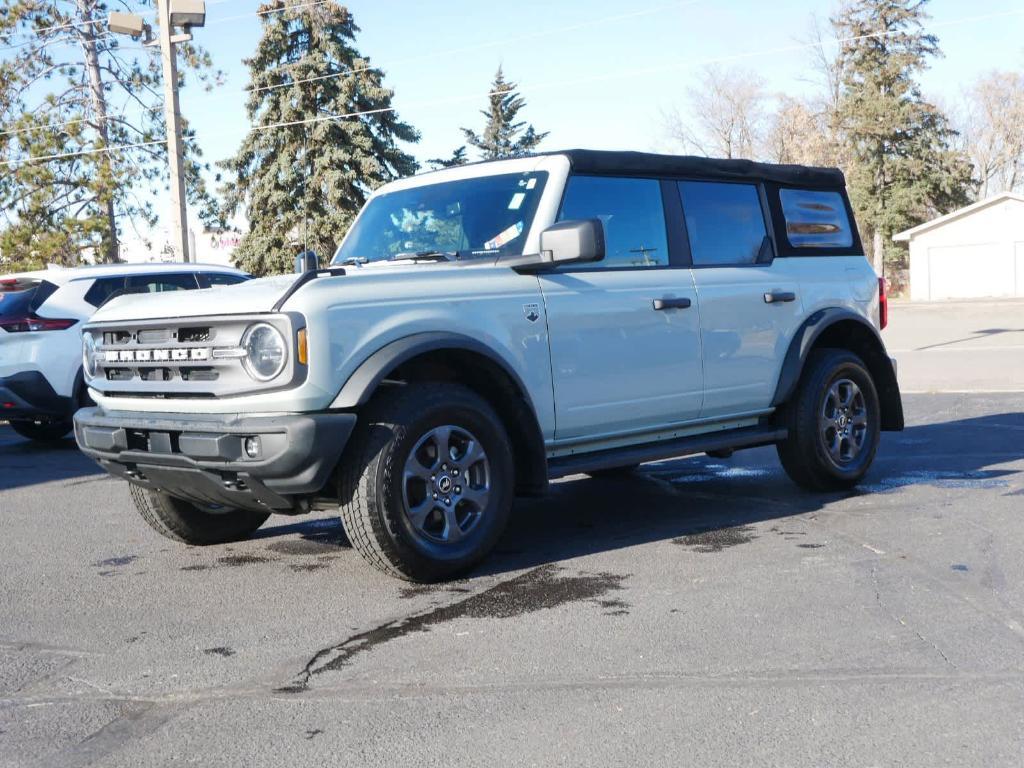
484 329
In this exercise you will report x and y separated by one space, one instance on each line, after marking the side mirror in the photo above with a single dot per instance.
566 242
306 262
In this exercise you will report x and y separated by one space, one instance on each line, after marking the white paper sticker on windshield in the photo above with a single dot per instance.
507 236
531 183
516 201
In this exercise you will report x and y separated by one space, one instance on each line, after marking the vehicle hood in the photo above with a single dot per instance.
260 295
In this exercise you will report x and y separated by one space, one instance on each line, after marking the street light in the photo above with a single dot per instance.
181 14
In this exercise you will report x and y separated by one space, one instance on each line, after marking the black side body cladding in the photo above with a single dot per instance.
513 406
841 327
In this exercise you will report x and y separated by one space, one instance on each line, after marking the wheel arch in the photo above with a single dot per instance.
444 356
843 329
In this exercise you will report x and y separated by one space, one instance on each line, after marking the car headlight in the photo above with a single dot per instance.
89 354
265 351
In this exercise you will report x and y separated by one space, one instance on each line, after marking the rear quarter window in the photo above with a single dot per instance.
815 219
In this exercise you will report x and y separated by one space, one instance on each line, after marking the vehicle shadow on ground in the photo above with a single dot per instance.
707 503
24 462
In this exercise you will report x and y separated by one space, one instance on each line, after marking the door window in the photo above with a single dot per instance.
101 291
213 279
724 222
179 281
632 214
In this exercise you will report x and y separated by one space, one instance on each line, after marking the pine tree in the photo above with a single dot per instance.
903 166
458 157
325 135
64 85
503 136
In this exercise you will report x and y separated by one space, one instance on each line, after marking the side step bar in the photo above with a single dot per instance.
747 437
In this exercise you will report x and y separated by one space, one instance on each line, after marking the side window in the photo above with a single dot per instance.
213 279
176 281
103 289
815 219
633 217
725 222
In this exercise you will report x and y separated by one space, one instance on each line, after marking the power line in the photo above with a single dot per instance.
77 24
479 46
553 84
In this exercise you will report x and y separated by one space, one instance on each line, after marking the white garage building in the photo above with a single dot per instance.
974 252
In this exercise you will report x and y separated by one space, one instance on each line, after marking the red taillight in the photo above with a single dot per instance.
33 323
883 305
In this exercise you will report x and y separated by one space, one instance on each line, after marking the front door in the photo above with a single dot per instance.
750 304
624 332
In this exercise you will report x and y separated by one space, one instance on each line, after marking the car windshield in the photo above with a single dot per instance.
469 217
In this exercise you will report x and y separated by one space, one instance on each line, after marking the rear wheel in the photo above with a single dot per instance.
427 482
183 521
834 423
42 431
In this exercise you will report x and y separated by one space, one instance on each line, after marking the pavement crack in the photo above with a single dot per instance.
537 589
899 619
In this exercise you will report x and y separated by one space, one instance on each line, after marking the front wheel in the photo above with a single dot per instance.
42 431
427 482
183 521
834 423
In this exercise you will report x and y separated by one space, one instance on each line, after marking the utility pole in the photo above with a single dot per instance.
172 117
185 14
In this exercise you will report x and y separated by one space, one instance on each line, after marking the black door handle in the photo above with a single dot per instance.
671 304
779 297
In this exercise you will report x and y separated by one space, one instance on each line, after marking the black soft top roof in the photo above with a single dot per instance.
650 164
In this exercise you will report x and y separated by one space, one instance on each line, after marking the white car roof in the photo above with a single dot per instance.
67 274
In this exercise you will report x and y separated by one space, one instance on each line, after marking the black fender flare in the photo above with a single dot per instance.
521 418
868 344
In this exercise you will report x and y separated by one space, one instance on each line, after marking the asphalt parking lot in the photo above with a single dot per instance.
703 612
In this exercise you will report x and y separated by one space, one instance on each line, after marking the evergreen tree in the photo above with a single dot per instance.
64 87
903 168
503 136
458 157
325 135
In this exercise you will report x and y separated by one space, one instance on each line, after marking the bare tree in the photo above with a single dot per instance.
798 132
725 115
993 132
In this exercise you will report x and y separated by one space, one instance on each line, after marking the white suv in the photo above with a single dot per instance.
484 329
41 316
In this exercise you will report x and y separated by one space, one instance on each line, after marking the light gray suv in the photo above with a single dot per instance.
485 329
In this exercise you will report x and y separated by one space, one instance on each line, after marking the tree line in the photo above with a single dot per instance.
906 160
326 131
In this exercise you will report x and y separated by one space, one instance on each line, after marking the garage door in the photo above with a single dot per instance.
971 271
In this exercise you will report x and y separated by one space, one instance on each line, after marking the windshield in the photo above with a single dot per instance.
469 217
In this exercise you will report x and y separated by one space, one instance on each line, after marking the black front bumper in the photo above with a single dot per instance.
29 395
202 457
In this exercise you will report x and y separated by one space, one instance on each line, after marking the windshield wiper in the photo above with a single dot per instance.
426 256
355 261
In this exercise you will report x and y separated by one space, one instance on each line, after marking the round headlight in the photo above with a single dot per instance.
265 351
89 354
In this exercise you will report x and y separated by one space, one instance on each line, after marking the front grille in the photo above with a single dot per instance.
175 359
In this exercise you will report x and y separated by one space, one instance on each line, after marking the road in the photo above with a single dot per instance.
703 612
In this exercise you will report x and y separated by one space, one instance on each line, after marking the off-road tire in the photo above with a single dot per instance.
371 485
804 454
185 522
42 431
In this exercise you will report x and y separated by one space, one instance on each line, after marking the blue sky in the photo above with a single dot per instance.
595 73
577 82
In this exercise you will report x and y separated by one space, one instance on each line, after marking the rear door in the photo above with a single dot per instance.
624 333
750 304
